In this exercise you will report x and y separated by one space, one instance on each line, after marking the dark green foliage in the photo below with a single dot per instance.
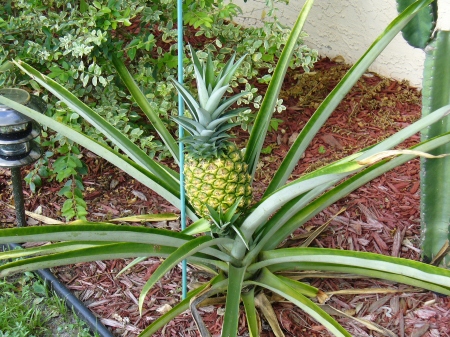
418 31
435 184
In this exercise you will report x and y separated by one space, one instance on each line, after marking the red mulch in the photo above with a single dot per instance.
381 217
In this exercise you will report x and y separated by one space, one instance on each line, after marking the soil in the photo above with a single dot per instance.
381 217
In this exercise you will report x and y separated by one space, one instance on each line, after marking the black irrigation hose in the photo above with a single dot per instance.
72 302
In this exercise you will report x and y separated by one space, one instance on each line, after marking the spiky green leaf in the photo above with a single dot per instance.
259 130
108 251
231 318
408 271
143 103
248 298
291 217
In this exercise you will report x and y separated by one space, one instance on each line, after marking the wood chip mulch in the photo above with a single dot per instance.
382 217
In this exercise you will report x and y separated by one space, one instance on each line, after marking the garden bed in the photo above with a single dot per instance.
381 217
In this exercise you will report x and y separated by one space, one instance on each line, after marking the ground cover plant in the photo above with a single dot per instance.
241 250
28 308
72 43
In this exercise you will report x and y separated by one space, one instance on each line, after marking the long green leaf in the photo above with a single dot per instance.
109 131
183 252
231 318
109 251
339 269
94 231
142 101
297 187
297 204
49 249
302 288
272 226
337 94
165 185
397 138
100 149
413 270
435 174
248 298
259 130
276 284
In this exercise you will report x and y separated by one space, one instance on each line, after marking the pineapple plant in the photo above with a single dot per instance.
245 265
216 175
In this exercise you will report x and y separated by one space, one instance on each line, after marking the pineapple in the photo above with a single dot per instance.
216 175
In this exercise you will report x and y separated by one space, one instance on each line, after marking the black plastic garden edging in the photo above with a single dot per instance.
71 301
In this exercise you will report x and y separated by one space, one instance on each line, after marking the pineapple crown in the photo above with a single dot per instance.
210 119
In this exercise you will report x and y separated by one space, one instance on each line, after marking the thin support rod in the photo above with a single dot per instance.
19 203
181 133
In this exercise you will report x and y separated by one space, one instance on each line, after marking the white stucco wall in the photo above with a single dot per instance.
444 15
347 28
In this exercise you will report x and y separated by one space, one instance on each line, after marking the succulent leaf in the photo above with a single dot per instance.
209 72
215 97
204 117
227 103
202 89
216 123
190 125
188 99
419 30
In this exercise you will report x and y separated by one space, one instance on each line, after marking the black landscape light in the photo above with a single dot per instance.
17 145
17 149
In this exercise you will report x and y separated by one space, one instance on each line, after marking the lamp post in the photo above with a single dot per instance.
17 149
17 145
